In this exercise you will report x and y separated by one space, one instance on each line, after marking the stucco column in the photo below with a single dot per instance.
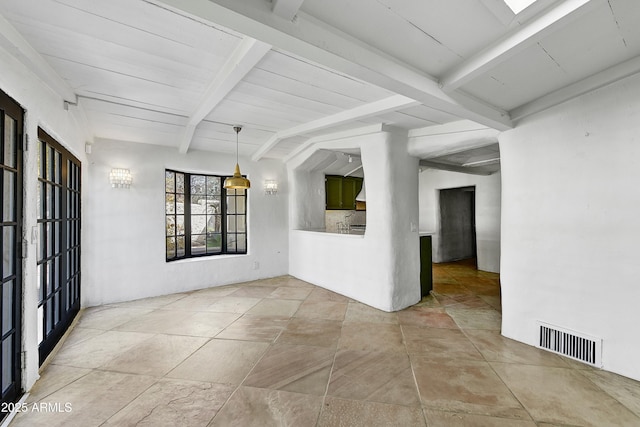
382 267
391 175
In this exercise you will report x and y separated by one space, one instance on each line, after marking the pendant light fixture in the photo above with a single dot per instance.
237 181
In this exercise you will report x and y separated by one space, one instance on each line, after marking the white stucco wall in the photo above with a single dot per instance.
43 109
126 257
487 196
306 212
382 267
570 228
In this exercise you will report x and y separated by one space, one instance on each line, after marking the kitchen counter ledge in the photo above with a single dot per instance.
352 233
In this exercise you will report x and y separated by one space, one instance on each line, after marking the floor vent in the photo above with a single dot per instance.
571 344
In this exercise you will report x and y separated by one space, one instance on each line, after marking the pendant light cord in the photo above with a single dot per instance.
237 129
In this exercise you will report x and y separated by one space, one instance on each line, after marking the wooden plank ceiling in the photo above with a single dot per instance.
180 73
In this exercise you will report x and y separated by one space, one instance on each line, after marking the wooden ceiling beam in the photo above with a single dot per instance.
515 42
13 41
375 108
286 9
453 168
351 133
320 43
19 48
450 138
589 84
245 56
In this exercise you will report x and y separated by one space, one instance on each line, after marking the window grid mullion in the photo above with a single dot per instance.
187 211
187 215
223 219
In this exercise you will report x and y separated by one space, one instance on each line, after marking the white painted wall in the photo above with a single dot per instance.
382 267
43 109
123 230
306 212
487 211
126 256
570 224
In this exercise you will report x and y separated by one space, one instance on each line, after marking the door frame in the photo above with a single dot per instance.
472 224
10 107
59 311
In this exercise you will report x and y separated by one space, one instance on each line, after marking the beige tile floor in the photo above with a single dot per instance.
282 352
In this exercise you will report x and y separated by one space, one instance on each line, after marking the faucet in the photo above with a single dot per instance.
347 225
347 217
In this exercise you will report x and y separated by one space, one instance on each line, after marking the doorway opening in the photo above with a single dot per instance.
457 224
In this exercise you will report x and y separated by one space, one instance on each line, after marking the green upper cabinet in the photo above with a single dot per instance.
350 188
341 191
333 191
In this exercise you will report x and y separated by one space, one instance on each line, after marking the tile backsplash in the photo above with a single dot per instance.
333 218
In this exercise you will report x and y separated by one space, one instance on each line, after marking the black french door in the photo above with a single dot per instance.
11 129
59 230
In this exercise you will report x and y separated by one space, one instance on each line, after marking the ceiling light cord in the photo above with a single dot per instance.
237 129
237 181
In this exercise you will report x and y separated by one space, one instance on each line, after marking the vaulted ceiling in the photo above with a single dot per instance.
180 73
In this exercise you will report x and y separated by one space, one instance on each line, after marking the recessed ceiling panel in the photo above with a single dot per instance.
430 114
324 95
140 70
133 129
431 36
142 59
137 26
248 113
221 138
519 80
472 157
355 124
481 160
606 36
297 101
308 75
578 50
274 104
403 120
119 121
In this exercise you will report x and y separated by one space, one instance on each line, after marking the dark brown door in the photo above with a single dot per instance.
457 224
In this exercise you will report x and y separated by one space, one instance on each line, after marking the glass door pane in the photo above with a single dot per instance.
59 222
11 123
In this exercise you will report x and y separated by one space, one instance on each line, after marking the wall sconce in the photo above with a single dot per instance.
270 187
120 178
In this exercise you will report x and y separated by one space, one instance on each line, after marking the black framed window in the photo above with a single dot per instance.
203 218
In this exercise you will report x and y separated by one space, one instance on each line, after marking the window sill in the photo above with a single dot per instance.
205 258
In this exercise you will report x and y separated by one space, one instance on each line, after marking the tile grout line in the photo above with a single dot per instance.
333 364
467 333
271 344
581 373
249 373
499 377
413 374
139 394
157 380
266 350
464 332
